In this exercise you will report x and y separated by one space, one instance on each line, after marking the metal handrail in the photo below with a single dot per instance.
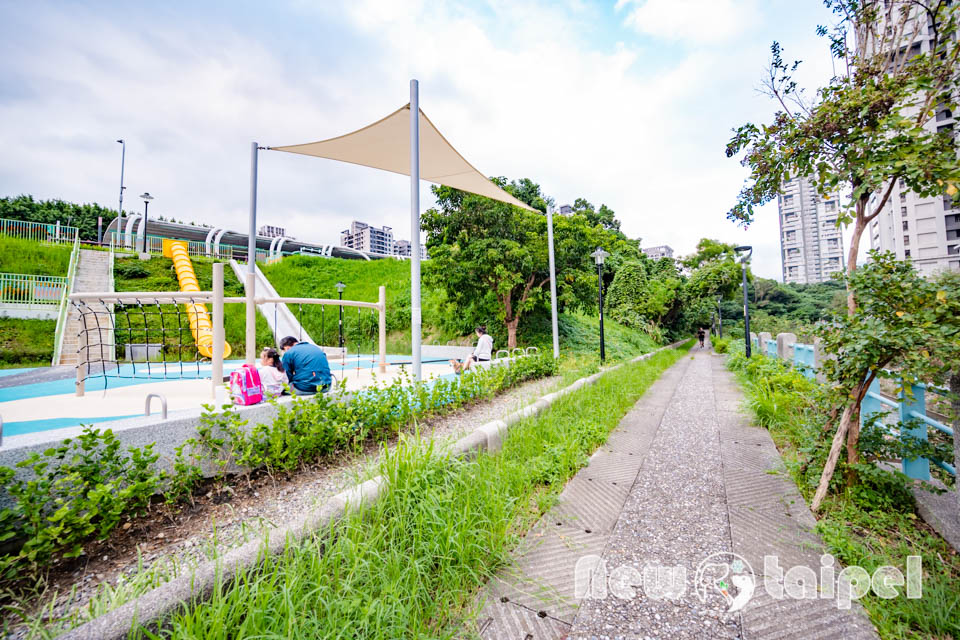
207 296
497 356
163 405
54 233
62 311
515 349
531 349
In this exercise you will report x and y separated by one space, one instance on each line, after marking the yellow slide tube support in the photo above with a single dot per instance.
200 325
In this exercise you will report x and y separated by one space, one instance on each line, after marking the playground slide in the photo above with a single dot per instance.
281 320
200 325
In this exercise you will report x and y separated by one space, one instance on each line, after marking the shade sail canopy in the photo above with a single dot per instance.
385 144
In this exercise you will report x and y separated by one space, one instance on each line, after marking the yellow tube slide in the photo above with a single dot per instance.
200 325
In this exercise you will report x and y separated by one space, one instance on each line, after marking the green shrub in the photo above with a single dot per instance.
77 491
131 269
26 342
720 345
18 255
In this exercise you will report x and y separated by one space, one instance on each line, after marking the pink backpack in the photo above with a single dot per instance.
245 387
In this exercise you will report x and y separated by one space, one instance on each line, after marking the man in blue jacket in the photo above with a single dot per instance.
306 366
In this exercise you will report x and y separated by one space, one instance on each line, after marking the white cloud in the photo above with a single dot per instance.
515 86
693 21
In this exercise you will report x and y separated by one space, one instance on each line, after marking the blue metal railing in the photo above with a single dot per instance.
910 405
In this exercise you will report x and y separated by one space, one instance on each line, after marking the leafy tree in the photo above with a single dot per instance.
869 129
604 216
82 216
526 190
637 298
488 254
904 325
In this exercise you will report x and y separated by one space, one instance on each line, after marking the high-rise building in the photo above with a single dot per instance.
270 231
923 230
403 248
811 245
363 237
655 253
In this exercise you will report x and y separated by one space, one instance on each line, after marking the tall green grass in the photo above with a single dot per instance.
33 258
26 343
870 524
410 565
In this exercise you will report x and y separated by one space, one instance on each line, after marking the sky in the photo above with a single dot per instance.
627 103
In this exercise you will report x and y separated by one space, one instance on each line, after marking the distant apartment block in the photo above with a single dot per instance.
655 253
403 248
811 245
363 237
565 210
269 231
925 231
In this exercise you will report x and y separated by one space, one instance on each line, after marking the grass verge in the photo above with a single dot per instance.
870 524
26 342
34 258
411 564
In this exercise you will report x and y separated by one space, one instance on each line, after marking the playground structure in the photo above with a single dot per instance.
96 357
200 325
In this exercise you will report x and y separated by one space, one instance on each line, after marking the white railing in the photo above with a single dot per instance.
39 231
62 312
21 288
155 245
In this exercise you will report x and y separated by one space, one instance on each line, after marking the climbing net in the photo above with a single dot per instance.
138 338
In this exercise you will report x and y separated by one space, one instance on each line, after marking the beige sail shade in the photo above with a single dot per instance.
385 144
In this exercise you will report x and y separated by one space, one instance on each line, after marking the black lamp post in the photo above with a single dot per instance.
340 288
746 300
123 160
146 205
719 319
599 256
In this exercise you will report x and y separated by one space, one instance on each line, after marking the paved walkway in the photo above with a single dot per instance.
670 523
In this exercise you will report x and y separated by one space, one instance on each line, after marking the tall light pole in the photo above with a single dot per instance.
146 205
340 288
123 160
719 319
746 300
599 256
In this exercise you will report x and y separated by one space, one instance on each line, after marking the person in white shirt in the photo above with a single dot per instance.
272 375
480 354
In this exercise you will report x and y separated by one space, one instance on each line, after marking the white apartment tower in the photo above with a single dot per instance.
363 237
811 245
923 230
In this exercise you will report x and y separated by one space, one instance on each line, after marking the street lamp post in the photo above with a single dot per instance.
599 256
340 288
719 319
746 300
146 205
123 160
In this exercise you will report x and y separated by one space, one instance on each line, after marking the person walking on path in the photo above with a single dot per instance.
306 366
480 354
701 334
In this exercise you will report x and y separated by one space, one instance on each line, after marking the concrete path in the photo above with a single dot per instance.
670 523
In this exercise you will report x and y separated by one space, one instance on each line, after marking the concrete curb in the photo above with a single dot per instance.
151 607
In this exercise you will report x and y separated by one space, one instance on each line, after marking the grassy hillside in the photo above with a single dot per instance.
157 274
26 343
31 257
317 277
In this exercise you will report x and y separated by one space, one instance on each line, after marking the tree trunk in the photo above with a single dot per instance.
853 438
512 333
835 448
858 229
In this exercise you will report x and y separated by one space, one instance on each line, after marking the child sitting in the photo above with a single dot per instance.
272 375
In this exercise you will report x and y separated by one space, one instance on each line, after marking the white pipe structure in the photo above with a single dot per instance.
208 248
415 314
250 284
553 284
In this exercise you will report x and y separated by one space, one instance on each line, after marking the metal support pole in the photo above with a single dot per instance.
123 160
81 358
340 321
603 353
746 309
216 371
143 225
415 318
383 329
553 284
251 342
